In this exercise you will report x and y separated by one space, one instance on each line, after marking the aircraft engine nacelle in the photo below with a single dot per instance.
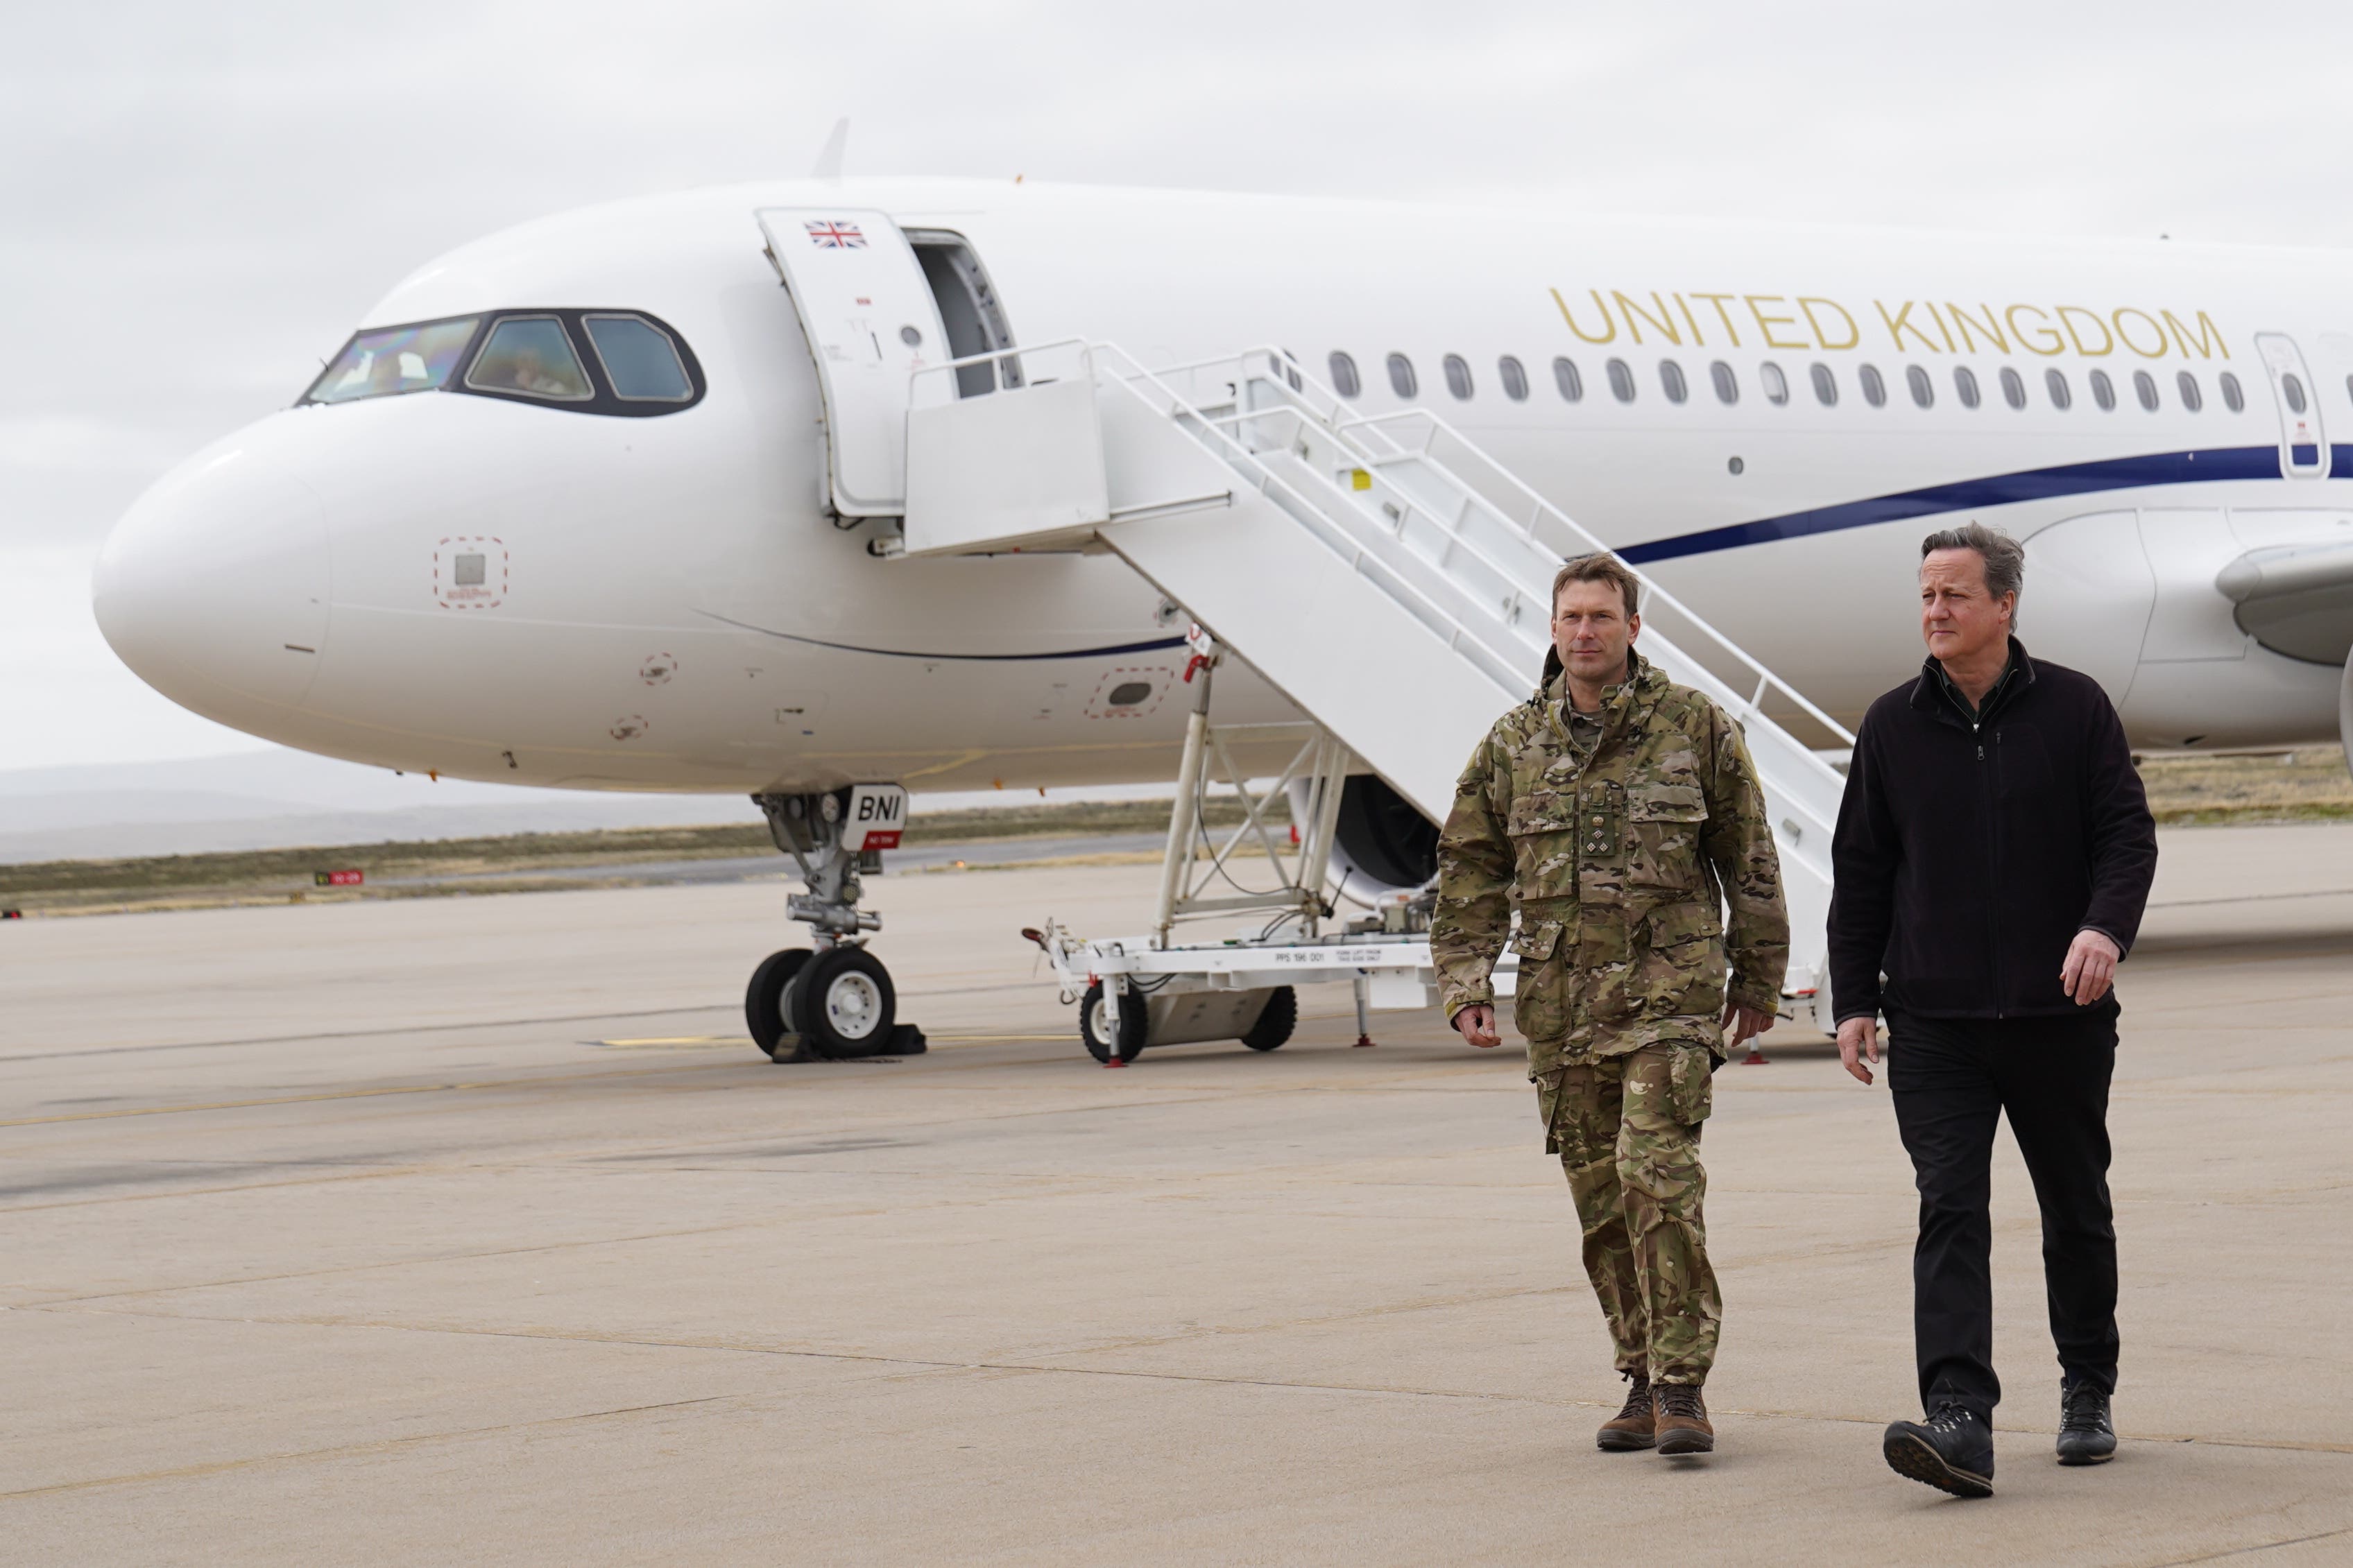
1381 844
2344 711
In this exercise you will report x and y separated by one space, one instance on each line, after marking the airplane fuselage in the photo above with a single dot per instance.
670 600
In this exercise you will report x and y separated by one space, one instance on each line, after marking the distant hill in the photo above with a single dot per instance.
282 799
279 799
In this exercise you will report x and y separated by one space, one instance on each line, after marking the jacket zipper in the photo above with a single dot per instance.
1993 866
1993 859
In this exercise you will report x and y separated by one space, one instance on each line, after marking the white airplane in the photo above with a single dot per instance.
596 502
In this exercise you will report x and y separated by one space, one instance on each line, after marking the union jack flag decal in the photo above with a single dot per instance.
832 235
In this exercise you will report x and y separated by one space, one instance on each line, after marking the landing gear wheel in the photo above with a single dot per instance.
845 1003
768 1002
1276 1023
1094 1024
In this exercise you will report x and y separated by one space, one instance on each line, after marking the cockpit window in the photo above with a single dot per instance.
395 360
639 359
532 356
611 361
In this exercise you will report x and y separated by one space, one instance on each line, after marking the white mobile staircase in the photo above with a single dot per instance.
1399 600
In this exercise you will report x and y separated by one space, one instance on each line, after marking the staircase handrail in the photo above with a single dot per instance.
1500 663
1347 420
1296 385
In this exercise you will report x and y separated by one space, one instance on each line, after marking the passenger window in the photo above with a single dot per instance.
2293 389
1825 387
532 356
1671 377
2232 398
2191 398
1458 375
1402 380
2144 388
1727 385
2013 387
1515 379
1874 390
1621 380
2054 382
1776 385
1965 383
1571 385
2103 392
640 360
1344 376
394 360
1924 392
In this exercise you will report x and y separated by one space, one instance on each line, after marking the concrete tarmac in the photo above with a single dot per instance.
473 1230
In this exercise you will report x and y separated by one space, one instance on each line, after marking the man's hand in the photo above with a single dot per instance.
1742 1023
1858 1038
1477 1023
2089 969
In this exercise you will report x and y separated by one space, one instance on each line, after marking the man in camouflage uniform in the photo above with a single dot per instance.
1618 815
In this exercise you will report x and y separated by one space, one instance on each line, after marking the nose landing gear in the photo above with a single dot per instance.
835 1000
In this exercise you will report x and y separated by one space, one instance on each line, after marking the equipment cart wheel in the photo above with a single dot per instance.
768 1002
1094 1024
1276 1023
845 1003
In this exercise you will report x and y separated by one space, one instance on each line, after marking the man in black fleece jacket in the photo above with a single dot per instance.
1993 854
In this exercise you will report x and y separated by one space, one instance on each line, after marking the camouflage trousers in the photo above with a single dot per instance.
1627 1129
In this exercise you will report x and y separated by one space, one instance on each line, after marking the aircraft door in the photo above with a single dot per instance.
2304 445
871 322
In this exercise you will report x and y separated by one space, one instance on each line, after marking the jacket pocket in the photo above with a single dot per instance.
1540 993
1691 1084
1666 820
1679 971
1543 830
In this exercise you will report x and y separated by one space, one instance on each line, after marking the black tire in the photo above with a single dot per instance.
1133 1021
768 999
845 1003
1275 1021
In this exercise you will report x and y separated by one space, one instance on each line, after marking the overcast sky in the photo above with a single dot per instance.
200 199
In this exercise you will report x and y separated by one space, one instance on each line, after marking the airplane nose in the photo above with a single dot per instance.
213 586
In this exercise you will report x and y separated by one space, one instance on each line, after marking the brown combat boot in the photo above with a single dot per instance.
1683 1420
1636 1427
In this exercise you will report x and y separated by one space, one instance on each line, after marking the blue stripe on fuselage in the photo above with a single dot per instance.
2000 489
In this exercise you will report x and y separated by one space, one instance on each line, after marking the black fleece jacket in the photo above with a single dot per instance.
1971 850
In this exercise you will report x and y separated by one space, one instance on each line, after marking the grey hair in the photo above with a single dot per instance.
2004 557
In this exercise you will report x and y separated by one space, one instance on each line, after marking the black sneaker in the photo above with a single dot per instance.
2087 1432
1952 1451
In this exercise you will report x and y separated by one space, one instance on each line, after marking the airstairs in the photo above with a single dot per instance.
1385 574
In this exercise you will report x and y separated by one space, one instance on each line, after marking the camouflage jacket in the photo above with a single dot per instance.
1619 865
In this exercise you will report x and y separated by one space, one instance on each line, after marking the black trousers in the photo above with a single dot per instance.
1950 1079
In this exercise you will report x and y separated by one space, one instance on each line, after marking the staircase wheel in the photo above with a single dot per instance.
1094 1024
768 1000
1275 1021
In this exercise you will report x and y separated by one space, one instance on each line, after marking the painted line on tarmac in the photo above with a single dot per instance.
931 1364
7 1059
365 1034
684 1042
382 1446
2259 1546
2250 898
543 1080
